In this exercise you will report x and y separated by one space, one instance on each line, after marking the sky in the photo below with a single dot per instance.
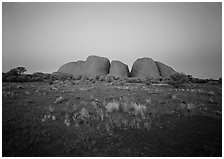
43 36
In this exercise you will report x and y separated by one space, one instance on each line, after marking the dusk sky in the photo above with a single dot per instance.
44 36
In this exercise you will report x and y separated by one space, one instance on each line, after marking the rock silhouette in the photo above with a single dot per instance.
73 68
119 69
145 68
96 66
165 71
93 66
142 68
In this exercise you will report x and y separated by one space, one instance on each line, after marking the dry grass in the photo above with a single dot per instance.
112 107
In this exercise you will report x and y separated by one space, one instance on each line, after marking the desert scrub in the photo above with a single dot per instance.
138 109
134 80
178 80
112 107
133 109
109 78
84 114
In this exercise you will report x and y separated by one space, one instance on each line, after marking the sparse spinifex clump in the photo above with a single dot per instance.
115 113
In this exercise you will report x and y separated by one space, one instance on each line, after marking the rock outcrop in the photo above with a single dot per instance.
96 66
119 69
164 70
142 68
73 68
145 68
93 66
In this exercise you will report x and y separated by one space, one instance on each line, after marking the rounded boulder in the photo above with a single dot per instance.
145 68
119 69
96 66
165 71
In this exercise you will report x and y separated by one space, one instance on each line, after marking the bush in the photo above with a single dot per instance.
36 79
197 80
15 78
178 80
134 80
112 107
16 71
179 77
109 78
11 79
22 78
60 76
47 76
38 74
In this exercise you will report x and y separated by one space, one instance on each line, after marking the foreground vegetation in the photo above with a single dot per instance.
108 116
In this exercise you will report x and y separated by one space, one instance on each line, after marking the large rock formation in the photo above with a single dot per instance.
119 69
93 66
145 68
98 66
73 68
164 70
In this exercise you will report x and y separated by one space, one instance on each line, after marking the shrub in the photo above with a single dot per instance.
38 74
138 109
179 77
22 78
197 80
11 79
84 114
4 77
36 79
109 78
16 71
134 80
60 76
178 80
15 75
112 107
21 70
47 76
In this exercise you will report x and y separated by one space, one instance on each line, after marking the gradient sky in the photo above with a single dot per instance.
44 36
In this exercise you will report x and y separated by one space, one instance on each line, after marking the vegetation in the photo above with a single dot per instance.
17 75
178 80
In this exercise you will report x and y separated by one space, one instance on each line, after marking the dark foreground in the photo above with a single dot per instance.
110 119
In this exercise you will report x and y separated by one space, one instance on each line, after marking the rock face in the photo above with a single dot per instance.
165 71
73 68
145 68
98 66
119 69
93 66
